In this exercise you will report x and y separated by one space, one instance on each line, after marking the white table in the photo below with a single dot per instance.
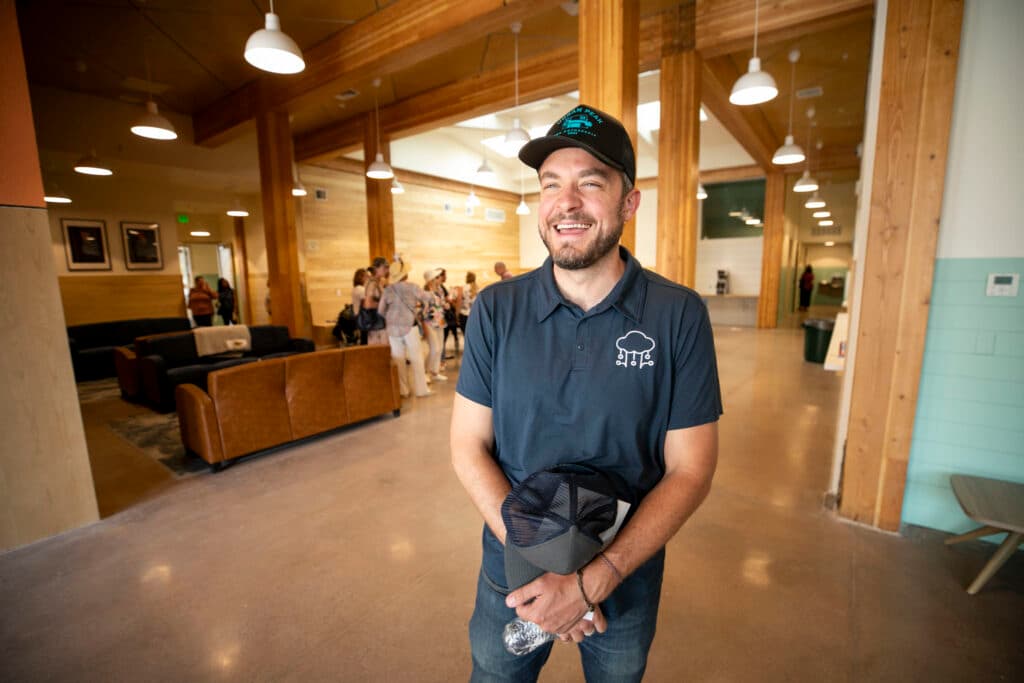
999 506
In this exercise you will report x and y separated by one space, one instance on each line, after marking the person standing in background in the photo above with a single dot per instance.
200 302
358 293
806 287
398 305
434 322
226 296
450 320
501 270
374 290
469 293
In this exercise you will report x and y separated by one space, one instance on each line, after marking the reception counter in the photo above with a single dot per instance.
737 310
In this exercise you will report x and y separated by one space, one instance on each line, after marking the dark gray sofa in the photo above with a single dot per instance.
172 360
92 345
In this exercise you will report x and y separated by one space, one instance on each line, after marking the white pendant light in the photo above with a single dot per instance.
822 214
91 165
701 192
237 211
703 115
790 152
755 86
396 187
522 209
516 137
379 169
806 183
485 174
298 189
472 200
828 222
814 202
153 125
272 50
56 196
753 220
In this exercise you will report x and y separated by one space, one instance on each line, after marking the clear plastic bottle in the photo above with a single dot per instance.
522 637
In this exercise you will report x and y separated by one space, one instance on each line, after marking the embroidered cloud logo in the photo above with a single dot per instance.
635 349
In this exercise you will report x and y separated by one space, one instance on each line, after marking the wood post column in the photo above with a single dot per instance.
274 138
380 212
771 249
922 44
678 156
609 57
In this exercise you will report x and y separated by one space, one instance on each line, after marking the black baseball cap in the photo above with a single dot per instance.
554 520
600 134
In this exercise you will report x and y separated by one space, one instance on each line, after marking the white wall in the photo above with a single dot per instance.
741 256
983 203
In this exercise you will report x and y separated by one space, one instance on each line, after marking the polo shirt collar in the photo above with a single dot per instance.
627 296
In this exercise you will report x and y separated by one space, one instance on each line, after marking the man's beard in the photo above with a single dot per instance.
571 258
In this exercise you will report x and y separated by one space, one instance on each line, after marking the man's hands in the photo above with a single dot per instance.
554 603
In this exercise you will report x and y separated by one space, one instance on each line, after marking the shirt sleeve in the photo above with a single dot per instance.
696 397
475 378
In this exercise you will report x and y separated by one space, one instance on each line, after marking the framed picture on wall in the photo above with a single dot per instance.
85 244
141 246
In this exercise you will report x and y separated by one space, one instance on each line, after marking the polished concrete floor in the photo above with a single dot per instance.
354 557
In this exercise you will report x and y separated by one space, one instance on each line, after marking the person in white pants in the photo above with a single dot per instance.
399 306
434 322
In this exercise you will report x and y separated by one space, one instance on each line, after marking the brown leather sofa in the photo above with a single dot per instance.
256 406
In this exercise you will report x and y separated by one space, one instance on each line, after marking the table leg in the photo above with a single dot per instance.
977 533
1008 547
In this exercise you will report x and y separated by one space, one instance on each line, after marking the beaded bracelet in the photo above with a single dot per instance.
579 582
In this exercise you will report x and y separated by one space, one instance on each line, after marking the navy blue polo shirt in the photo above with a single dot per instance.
600 387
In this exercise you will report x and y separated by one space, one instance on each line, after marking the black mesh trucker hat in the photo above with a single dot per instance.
554 520
589 129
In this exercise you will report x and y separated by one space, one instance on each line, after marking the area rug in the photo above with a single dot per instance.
158 437
98 390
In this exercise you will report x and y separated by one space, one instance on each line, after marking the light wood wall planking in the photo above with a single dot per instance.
102 298
426 234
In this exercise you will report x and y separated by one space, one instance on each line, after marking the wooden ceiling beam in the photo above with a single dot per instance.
747 125
731 174
397 37
727 26
548 75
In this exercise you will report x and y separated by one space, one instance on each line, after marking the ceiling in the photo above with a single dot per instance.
188 54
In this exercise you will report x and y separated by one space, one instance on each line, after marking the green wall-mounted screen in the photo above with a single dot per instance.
727 207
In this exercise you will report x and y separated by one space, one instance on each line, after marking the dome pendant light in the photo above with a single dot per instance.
379 169
485 174
236 210
701 192
790 152
152 125
755 86
272 50
91 165
517 136
298 189
57 196
806 182
396 187
522 209
815 202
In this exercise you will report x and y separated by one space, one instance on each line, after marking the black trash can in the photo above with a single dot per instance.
817 335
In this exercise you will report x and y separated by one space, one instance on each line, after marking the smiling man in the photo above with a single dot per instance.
588 360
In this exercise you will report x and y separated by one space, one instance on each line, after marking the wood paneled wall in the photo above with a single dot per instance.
102 298
426 233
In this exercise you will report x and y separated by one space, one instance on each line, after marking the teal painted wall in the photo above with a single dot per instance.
826 274
970 409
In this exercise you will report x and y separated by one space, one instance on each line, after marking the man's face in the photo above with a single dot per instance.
582 208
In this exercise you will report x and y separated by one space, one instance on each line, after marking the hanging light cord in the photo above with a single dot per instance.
517 67
792 91
272 6
756 4
376 112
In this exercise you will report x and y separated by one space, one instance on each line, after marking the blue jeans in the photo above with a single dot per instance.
618 654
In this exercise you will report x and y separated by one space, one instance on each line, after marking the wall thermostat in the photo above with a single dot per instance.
1002 284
